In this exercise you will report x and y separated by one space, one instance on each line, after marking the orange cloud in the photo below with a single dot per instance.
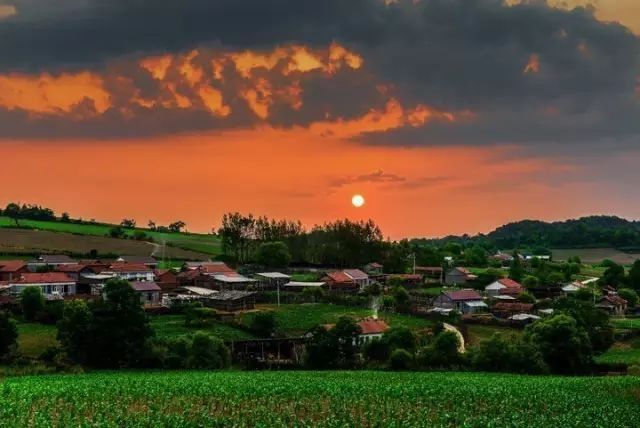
48 94
533 66
7 11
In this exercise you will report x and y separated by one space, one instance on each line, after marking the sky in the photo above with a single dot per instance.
448 116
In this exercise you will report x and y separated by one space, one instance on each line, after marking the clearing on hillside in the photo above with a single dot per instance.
326 399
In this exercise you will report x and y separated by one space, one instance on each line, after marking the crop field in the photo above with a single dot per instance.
326 399
298 319
595 255
200 243
22 241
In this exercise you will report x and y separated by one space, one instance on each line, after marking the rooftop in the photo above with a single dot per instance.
273 275
463 295
145 286
44 278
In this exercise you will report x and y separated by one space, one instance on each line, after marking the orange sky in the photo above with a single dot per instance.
291 174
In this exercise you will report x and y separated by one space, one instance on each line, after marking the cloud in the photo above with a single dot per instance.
7 11
429 72
376 177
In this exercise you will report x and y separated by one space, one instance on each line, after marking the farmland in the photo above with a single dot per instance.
595 255
330 399
193 243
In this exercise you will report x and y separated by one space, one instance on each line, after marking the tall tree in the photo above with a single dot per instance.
32 302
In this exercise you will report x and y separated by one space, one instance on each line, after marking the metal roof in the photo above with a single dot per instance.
273 275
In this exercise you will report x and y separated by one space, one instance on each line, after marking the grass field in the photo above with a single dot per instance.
298 319
34 339
477 333
626 323
171 326
326 399
595 255
200 243
622 353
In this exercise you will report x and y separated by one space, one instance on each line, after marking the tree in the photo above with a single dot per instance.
8 334
151 225
377 350
128 223
401 359
443 352
565 347
516 271
177 226
114 335
634 276
590 318
614 275
117 232
273 255
530 281
263 324
32 302
629 295
207 352
65 218
400 338
500 354
334 348
402 299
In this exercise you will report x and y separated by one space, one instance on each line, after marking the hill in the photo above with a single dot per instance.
33 236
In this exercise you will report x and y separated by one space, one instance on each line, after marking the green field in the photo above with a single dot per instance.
34 339
326 399
201 243
298 319
478 332
171 326
626 323
627 353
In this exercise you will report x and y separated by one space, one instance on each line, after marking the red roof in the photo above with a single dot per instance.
614 299
509 283
8 266
145 286
339 276
428 269
128 267
373 326
463 295
44 278
214 268
70 268
513 307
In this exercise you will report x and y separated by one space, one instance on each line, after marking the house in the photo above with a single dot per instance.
347 280
129 271
11 269
167 279
148 261
51 283
232 300
233 282
92 283
373 268
465 301
51 261
613 304
508 309
431 272
213 268
502 258
150 292
74 270
572 288
272 280
371 328
504 286
458 276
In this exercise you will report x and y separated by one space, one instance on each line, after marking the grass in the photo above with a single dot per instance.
626 323
201 243
305 277
478 332
325 399
172 326
595 255
297 319
34 339
627 353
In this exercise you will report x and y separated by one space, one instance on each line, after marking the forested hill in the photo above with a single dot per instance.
585 232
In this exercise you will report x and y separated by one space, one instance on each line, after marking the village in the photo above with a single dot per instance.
448 294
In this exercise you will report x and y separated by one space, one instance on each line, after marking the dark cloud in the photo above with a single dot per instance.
528 74
378 176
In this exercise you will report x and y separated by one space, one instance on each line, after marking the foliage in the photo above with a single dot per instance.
400 337
8 334
401 298
207 352
263 324
595 322
631 296
516 270
565 346
377 350
634 276
112 332
128 223
500 354
273 255
32 302
335 347
177 226
443 352
614 275
401 359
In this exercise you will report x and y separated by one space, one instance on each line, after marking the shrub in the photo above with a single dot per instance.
32 302
401 359
8 334
263 324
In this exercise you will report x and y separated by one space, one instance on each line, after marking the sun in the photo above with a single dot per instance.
357 201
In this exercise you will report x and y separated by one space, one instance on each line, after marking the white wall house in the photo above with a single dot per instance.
51 283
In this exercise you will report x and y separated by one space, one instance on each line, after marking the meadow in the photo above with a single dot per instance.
595 255
326 399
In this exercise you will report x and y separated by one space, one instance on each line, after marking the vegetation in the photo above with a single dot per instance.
291 399
31 302
8 334
35 339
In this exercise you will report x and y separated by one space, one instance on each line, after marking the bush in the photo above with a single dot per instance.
629 295
263 324
633 370
198 316
32 302
498 354
442 353
207 352
401 359
8 335
377 350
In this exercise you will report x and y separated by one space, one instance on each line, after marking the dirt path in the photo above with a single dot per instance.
449 327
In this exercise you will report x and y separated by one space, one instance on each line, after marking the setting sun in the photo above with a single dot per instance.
357 201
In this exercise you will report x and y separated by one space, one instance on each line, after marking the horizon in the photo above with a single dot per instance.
529 111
